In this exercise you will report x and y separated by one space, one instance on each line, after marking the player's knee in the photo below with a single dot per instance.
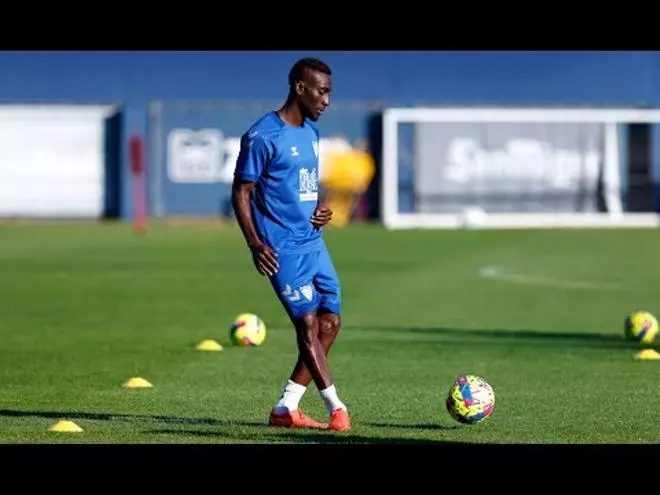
329 324
307 326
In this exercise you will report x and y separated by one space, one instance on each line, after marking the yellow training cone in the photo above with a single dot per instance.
66 426
137 382
647 355
209 345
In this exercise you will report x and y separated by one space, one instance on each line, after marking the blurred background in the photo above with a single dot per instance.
131 135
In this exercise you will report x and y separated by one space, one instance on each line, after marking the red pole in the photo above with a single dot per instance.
136 145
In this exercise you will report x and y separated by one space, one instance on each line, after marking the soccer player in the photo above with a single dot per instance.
276 199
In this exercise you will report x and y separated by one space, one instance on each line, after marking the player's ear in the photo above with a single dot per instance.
299 88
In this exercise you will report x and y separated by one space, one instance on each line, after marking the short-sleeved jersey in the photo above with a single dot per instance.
283 161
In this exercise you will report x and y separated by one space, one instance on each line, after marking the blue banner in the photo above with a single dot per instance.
193 146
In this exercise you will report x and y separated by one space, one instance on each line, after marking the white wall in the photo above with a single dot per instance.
52 160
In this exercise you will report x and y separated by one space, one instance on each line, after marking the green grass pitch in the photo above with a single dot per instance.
539 314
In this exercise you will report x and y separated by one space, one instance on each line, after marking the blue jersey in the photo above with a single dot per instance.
283 162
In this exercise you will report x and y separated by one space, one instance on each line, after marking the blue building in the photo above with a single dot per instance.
204 87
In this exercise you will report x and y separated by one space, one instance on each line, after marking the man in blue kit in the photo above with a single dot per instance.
275 197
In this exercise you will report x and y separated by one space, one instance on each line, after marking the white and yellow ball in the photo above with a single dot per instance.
641 326
247 330
470 399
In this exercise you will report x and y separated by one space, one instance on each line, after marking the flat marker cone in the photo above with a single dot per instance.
137 382
209 345
647 355
66 426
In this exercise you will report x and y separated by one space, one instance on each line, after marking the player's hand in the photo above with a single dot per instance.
265 259
322 216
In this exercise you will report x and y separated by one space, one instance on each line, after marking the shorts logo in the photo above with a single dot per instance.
307 291
293 295
290 294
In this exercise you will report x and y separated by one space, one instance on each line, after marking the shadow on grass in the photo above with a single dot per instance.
414 426
323 437
261 432
567 338
131 417
303 437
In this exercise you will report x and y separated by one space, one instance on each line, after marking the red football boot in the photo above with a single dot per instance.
339 421
294 419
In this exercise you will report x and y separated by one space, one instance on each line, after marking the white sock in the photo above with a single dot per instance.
331 399
290 398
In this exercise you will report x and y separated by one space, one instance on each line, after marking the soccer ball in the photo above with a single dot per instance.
470 399
641 326
247 330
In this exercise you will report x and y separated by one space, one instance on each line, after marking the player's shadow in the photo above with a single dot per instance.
307 436
226 428
413 426
70 415
512 337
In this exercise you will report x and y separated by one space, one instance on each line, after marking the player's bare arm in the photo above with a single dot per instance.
322 215
265 259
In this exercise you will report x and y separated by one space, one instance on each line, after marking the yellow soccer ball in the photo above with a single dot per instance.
247 330
641 326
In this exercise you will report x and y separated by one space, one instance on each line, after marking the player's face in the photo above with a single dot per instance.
314 93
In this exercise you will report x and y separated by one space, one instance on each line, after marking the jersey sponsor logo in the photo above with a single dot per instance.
307 185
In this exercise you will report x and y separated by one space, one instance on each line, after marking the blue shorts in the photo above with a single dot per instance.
307 282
